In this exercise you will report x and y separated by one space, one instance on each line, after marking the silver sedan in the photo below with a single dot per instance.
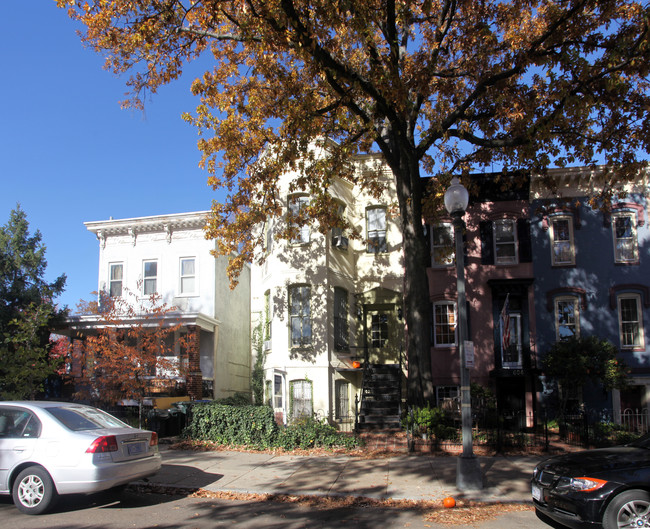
52 448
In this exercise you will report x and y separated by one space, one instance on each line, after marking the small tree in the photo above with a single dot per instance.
575 361
25 354
27 311
132 350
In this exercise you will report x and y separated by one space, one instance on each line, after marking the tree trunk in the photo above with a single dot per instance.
417 306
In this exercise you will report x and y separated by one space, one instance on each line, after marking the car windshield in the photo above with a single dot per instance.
81 418
642 442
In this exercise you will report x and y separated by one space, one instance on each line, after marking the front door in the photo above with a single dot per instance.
382 336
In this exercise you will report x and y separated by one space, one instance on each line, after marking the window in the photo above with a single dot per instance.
442 245
378 329
444 327
296 206
277 391
448 398
301 399
18 423
343 400
630 323
150 275
268 236
376 230
338 240
300 315
116 275
340 319
188 275
505 241
625 240
567 318
267 315
562 246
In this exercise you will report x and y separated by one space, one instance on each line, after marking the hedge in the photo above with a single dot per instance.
255 427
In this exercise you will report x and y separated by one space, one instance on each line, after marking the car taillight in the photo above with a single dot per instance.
154 439
106 443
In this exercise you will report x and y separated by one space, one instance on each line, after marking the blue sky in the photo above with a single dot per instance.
69 154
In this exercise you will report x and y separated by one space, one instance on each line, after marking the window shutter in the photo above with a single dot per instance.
487 242
523 236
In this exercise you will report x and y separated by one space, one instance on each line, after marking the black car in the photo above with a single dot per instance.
607 487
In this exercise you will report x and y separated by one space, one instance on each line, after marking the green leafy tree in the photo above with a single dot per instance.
576 361
440 86
28 313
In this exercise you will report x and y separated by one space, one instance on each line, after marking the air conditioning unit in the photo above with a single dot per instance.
267 345
340 242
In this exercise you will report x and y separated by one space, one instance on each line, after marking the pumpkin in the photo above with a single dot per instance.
356 364
449 502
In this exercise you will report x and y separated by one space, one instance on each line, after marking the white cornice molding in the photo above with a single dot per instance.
166 224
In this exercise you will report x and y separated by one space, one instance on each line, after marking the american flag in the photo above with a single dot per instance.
505 324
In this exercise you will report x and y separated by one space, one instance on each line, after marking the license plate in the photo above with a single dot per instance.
135 448
537 493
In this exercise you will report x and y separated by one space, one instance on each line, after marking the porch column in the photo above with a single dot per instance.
194 375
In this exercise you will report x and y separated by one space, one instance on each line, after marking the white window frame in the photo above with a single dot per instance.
500 244
182 276
296 203
339 240
302 391
112 281
442 255
562 243
376 230
450 309
560 303
623 324
145 278
626 246
300 317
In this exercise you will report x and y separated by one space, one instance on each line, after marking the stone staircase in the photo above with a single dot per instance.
381 399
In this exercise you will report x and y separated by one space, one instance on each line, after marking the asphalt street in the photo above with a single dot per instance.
140 509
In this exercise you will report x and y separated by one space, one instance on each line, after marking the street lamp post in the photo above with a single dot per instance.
468 470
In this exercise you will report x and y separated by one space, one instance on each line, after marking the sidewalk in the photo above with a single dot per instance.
399 477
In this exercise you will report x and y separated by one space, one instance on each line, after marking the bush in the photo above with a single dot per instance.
255 427
310 433
233 425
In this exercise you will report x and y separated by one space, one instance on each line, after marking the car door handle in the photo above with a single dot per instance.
19 448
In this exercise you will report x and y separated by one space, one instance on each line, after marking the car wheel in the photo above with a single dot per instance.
33 491
629 509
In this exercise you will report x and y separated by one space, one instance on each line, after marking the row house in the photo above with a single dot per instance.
592 277
498 267
330 306
542 266
169 256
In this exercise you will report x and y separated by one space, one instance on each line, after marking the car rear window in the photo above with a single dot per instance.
78 418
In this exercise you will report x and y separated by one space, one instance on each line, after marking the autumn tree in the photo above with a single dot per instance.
130 350
439 87
28 313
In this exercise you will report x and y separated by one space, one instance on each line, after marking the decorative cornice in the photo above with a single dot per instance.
133 227
564 291
630 287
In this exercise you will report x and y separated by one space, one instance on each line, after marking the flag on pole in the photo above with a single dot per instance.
505 324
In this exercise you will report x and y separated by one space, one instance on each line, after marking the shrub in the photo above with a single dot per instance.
233 425
255 427
310 433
